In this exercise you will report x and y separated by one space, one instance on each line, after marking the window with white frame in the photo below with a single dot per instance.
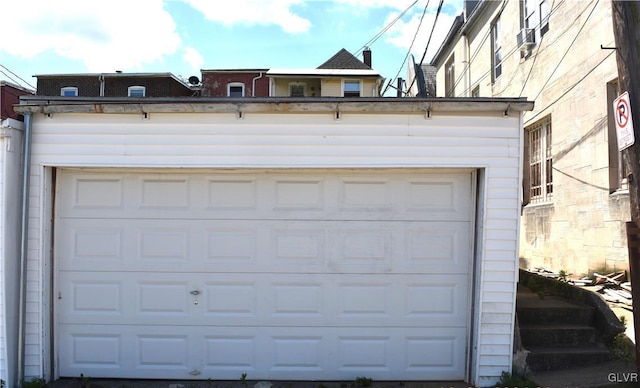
136 91
235 89
535 15
69 91
297 89
351 88
496 49
539 171
449 77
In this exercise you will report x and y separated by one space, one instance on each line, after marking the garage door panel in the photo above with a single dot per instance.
285 246
262 353
127 351
436 196
325 275
192 299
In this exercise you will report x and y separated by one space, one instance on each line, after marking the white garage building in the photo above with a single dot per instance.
286 239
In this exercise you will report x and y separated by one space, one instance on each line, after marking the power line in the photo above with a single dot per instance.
8 76
385 29
475 53
567 51
570 88
424 11
17 76
481 46
435 21
533 63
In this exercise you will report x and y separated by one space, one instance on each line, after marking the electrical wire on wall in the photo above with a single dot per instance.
567 51
570 88
481 46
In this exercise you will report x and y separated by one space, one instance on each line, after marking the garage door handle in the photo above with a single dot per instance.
195 292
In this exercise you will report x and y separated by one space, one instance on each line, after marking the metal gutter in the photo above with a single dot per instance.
24 240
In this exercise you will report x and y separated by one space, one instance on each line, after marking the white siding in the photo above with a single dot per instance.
10 154
489 142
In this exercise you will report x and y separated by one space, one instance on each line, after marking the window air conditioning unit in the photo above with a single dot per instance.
526 38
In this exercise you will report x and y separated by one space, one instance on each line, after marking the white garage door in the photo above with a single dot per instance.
317 275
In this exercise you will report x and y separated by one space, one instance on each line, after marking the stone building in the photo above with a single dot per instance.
558 54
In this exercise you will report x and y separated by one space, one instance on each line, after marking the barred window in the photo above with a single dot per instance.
540 171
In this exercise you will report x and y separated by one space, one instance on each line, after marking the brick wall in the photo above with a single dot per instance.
115 86
214 84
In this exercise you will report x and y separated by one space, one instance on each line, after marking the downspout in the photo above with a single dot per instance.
253 84
101 78
24 239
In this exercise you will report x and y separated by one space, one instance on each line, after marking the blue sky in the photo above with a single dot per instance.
184 36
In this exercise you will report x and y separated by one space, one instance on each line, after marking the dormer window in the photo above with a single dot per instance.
351 88
235 89
136 91
69 91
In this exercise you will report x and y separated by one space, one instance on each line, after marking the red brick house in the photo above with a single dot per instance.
10 96
116 84
235 83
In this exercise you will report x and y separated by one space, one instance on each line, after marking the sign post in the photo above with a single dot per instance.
624 121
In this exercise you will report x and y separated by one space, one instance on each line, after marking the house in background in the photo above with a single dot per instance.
342 75
116 84
284 243
575 199
9 96
235 83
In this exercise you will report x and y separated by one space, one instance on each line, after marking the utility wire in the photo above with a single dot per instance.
567 51
386 28
481 46
535 58
569 89
8 76
424 11
17 76
435 21
477 51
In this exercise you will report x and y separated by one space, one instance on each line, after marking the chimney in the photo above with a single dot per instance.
366 54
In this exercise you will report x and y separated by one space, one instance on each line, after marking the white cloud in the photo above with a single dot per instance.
275 12
119 34
193 58
403 32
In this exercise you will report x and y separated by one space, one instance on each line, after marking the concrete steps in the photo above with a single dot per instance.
555 358
559 334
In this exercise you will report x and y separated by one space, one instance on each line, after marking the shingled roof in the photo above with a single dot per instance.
344 60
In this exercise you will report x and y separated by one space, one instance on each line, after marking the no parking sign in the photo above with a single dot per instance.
624 122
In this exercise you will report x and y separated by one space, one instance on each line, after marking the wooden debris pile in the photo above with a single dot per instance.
613 287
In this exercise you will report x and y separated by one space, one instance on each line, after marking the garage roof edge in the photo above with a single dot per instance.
34 104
